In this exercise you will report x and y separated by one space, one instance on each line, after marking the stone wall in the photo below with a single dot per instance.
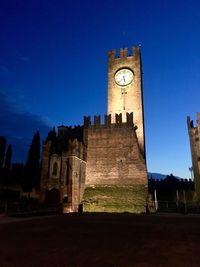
194 135
115 168
113 155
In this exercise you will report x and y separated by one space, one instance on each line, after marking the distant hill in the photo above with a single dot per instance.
155 175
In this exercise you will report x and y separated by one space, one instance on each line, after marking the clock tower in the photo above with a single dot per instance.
116 174
125 89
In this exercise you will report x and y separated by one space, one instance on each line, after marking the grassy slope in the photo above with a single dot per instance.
115 199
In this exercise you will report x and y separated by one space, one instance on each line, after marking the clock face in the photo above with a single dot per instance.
124 77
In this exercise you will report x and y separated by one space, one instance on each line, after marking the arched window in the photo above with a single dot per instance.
55 168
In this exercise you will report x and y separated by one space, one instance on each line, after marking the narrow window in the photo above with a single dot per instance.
55 169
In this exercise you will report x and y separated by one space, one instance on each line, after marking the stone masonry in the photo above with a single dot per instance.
113 153
63 169
194 135
129 98
116 169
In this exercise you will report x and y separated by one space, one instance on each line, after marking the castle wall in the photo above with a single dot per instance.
113 155
194 135
116 175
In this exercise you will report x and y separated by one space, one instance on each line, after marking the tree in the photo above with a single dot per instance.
8 158
2 150
18 173
32 168
53 138
7 166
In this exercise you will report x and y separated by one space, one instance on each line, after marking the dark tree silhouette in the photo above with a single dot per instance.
8 158
32 168
7 166
52 136
18 173
2 150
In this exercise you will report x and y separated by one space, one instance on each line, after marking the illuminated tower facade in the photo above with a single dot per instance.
125 89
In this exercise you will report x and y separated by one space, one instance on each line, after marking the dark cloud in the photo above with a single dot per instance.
19 127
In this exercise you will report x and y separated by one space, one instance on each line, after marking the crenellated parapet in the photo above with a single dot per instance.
97 120
123 54
190 123
129 119
66 132
107 121
87 121
178 183
118 119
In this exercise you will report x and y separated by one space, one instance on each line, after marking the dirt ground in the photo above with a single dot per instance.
101 240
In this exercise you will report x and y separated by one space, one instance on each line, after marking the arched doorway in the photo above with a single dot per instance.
52 197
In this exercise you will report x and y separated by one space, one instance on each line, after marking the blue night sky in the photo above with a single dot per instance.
53 69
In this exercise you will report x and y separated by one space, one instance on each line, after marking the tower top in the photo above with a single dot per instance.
123 53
